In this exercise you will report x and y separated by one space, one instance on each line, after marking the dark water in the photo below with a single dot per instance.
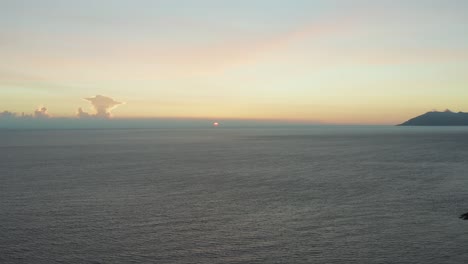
311 195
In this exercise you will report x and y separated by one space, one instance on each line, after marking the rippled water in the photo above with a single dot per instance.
309 195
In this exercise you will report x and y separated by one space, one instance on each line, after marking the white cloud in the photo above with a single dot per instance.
102 105
41 112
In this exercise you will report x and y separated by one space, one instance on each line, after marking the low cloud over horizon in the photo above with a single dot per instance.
102 106
41 112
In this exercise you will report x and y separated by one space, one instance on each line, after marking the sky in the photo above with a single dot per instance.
322 61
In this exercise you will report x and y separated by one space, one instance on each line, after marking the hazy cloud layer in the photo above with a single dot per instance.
102 105
7 114
39 113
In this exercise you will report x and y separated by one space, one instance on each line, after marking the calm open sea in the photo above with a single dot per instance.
283 195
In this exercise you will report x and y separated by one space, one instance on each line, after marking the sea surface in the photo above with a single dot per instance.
238 195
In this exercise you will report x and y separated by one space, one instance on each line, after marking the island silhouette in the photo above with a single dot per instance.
435 118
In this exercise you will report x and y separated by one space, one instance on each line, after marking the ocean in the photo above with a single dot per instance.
319 194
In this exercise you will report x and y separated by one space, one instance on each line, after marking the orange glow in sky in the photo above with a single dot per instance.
351 62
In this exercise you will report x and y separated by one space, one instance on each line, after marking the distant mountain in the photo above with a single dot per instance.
446 118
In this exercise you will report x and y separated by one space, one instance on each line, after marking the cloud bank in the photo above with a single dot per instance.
7 114
102 105
39 113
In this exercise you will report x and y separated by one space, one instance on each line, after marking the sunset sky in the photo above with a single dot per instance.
345 62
